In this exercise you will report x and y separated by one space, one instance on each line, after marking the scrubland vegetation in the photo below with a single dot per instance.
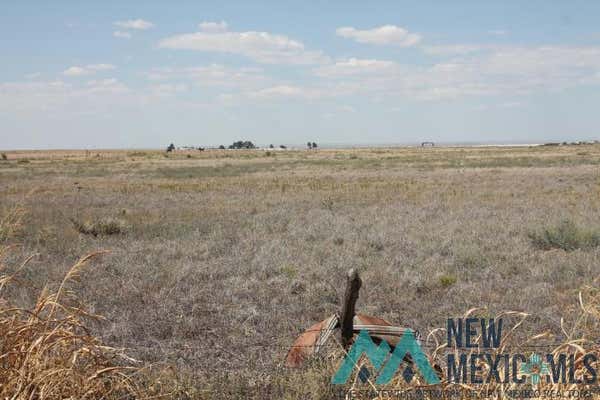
219 259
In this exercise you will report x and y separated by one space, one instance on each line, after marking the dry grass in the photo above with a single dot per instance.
228 255
10 223
46 351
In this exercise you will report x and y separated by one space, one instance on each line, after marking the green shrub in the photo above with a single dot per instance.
447 280
4 157
566 235
289 271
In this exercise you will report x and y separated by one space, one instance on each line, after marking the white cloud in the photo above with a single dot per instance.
498 32
138 24
262 47
59 97
280 91
511 104
346 108
75 71
213 75
213 27
122 35
353 66
383 35
101 67
109 85
277 92
495 70
167 89
452 49
87 70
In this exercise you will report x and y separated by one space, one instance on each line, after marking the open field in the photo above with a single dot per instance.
219 259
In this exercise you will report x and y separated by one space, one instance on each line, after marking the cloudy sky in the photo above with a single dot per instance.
114 74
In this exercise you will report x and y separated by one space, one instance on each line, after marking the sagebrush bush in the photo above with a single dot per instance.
566 236
100 227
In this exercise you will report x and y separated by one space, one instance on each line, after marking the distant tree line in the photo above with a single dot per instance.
241 144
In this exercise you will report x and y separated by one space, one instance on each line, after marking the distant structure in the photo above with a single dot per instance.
577 143
427 144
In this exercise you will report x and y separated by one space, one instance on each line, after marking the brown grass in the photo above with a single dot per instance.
48 353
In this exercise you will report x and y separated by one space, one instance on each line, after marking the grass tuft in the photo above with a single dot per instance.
566 236
11 223
447 280
100 227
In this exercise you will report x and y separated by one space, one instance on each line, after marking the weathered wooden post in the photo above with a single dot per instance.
353 284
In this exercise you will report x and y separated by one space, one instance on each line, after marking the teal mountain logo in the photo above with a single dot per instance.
385 362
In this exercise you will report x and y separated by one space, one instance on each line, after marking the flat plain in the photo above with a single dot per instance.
219 259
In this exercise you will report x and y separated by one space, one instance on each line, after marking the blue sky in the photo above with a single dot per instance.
82 74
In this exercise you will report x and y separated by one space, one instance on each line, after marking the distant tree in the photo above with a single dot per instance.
314 145
282 147
4 156
242 145
271 146
170 148
309 145
221 147
201 148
